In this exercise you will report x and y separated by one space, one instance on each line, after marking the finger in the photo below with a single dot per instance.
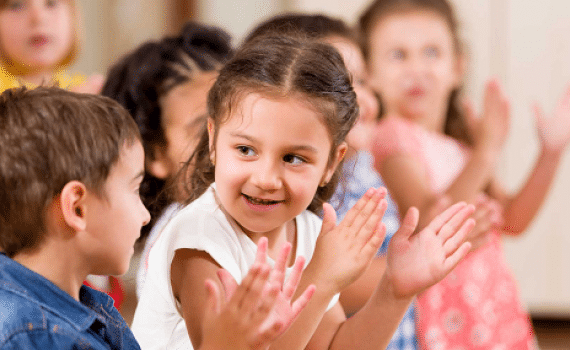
357 208
261 254
538 115
455 222
459 236
454 259
228 283
368 236
408 225
213 300
440 220
368 212
329 219
249 293
294 278
261 308
278 271
302 301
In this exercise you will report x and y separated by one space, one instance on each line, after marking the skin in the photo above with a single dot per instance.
36 35
184 112
254 157
414 67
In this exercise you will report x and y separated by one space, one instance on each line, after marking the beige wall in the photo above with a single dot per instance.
523 42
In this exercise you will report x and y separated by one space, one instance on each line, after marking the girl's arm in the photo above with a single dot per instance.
554 135
253 314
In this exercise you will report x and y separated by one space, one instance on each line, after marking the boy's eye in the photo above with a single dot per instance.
432 52
51 3
246 151
293 159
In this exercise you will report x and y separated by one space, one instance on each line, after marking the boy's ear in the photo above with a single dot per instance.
158 166
72 203
211 133
337 158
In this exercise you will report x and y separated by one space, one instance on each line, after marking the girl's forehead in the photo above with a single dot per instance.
411 24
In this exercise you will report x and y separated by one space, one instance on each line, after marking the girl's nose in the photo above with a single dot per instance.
266 176
145 215
36 12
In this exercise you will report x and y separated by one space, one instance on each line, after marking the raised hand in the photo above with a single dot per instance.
554 131
490 131
266 308
343 252
417 261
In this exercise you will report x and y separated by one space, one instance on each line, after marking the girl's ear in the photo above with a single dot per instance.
338 156
73 205
211 133
158 166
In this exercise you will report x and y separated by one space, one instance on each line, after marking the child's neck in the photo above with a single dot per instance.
433 120
60 269
37 78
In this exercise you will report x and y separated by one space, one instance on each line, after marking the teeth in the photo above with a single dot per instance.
260 201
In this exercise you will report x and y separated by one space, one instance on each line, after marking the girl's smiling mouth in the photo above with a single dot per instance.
259 204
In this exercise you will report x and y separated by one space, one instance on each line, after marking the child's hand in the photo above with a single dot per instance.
343 252
490 131
488 214
554 132
417 261
257 311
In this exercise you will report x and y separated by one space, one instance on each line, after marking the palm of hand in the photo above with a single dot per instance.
554 132
417 261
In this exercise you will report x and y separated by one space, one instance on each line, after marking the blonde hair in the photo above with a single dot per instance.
74 48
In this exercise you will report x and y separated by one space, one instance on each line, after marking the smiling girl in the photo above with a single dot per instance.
278 115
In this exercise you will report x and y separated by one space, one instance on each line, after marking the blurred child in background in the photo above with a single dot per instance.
39 39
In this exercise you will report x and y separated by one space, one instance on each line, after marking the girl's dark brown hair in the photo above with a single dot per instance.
280 66
142 77
455 124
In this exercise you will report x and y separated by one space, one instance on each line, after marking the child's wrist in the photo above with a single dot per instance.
388 291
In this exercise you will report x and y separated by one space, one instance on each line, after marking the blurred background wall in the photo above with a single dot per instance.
523 42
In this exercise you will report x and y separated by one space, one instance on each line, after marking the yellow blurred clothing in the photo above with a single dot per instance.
64 79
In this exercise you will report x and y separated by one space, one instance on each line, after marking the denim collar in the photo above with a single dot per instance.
20 280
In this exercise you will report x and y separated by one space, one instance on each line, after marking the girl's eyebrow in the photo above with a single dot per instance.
307 148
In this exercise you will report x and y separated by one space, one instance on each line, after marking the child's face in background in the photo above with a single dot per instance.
360 135
114 221
413 64
36 35
270 157
184 110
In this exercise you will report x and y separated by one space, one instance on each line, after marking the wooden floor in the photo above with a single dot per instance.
552 334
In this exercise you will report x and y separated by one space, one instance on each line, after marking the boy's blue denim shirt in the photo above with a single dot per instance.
36 314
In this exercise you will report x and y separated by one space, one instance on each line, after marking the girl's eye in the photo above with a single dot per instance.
246 151
15 5
293 159
432 52
51 3
398 54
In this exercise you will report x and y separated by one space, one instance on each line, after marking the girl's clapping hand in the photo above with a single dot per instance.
419 260
343 252
257 311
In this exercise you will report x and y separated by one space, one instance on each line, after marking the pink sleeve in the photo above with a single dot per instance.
395 135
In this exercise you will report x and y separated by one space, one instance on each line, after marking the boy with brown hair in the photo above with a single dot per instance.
70 170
